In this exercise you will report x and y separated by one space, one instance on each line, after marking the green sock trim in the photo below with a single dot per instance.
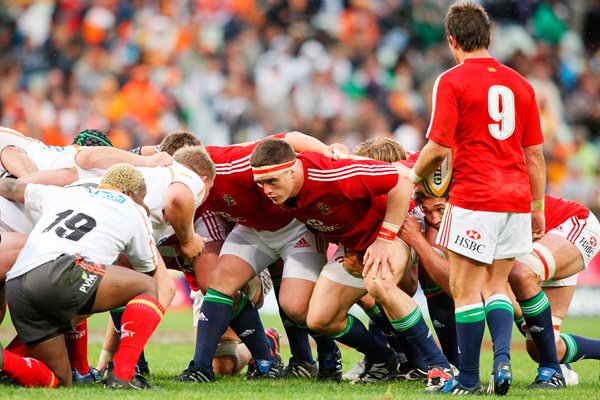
276 279
374 312
216 297
349 324
571 348
473 315
408 321
535 306
118 309
430 290
499 304
303 326
240 306
520 320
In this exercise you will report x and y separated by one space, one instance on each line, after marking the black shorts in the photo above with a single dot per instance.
44 301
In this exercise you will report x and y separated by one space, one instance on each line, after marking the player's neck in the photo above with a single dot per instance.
462 56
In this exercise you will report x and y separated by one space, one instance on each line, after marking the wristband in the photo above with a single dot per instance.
414 178
537 205
388 231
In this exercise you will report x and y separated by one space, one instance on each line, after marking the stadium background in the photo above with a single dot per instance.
340 70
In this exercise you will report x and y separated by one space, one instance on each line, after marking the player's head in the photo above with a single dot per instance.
273 162
176 140
198 160
128 180
433 207
380 148
469 24
91 138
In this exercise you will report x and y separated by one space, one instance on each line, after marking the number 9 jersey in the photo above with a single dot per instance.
486 113
97 223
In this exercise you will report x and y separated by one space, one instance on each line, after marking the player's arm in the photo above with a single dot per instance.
144 150
12 189
56 177
105 157
179 212
301 142
536 168
16 161
431 157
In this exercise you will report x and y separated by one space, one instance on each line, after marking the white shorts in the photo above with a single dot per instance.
568 281
212 226
583 233
485 236
303 254
334 271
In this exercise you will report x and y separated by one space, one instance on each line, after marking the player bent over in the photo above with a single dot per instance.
64 274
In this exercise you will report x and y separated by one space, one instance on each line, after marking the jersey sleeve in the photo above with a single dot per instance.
38 196
141 250
444 113
532 134
191 180
367 178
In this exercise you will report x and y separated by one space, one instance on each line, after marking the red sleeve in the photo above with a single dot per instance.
444 114
532 134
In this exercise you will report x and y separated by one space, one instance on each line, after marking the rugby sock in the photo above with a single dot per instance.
324 344
297 336
417 333
16 347
500 315
579 347
140 318
116 314
441 311
470 325
538 317
381 327
246 323
519 321
215 314
76 341
27 371
358 337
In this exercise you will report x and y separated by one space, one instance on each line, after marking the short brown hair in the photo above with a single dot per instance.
470 25
272 151
176 140
197 159
380 148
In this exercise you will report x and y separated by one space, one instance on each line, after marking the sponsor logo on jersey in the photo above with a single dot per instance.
320 226
324 208
230 217
593 241
229 200
301 244
106 194
473 234
88 282
469 244
587 246
247 332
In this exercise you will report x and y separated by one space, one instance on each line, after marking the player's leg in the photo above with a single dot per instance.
11 244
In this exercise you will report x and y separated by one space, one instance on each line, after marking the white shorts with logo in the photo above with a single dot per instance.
334 271
583 233
212 226
485 236
303 254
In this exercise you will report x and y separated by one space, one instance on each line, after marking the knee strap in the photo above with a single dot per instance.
540 261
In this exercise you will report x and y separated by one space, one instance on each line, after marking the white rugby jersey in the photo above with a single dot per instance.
158 180
98 224
16 218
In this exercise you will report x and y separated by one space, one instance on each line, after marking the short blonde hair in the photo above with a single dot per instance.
197 159
381 148
124 177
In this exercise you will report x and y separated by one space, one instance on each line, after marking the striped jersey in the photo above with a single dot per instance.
557 211
343 200
97 223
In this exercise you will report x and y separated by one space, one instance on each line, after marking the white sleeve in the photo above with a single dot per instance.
191 180
141 250
38 196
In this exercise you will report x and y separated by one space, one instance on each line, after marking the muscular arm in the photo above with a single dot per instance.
16 161
536 168
105 157
430 158
437 267
56 177
301 142
12 189
179 211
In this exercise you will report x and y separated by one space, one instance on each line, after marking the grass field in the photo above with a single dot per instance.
171 348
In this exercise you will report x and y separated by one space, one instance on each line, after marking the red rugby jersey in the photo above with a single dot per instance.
343 200
559 210
486 113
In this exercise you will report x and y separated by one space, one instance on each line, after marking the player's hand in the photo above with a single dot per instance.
353 263
410 229
538 225
161 159
192 248
336 151
379 260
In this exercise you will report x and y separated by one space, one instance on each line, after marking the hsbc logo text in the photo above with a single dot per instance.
469 242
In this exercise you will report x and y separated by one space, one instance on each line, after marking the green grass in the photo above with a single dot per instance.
171 348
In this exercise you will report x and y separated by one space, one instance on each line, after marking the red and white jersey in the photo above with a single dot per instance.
97 223
344 200
158 180
486 113
236 197
557 211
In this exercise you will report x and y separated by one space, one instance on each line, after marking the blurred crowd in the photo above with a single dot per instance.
237 70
